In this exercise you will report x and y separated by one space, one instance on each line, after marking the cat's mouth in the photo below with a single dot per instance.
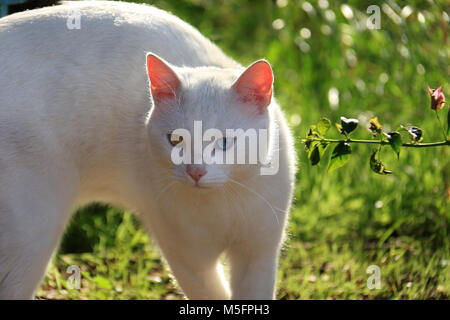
205 186
197 186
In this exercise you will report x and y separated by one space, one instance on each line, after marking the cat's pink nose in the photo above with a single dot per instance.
195 171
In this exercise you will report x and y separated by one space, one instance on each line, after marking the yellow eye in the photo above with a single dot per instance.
174 139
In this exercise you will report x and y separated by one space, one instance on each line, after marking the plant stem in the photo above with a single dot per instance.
440 123
381 142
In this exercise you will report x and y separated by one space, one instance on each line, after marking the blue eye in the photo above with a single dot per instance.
225 143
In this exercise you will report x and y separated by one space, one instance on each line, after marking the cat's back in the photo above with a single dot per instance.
54 71
78 29
89 55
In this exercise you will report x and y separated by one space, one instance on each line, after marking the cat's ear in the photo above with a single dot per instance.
255 84
164 82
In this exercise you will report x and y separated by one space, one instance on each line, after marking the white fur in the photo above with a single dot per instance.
77 126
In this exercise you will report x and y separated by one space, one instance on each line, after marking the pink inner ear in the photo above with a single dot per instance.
163 80
255 84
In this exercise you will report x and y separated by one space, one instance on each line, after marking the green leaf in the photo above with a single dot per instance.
323 146
317 151
323 126
307 145
348 125
312 132
376 165
340 156
395 140
103 282
314 155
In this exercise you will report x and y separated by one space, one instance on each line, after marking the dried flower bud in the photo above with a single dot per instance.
375 126
437 98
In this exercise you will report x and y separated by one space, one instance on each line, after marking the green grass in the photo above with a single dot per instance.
344 221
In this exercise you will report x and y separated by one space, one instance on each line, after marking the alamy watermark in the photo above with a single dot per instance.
374 20
74 280
228 148
374 281
74 19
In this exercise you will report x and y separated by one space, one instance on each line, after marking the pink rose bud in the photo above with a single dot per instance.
437 98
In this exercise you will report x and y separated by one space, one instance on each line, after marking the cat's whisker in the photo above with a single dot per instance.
165 189
233 193
274 207
258 195
217 179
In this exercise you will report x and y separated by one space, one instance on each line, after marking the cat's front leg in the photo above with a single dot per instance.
199 274
253 256
253 272
192 251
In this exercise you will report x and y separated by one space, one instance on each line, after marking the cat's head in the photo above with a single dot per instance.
189 101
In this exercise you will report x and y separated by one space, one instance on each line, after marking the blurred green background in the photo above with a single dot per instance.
326 63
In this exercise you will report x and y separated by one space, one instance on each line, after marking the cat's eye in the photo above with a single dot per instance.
225 143
174 139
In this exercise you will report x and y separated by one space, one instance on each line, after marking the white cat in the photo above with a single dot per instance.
78 124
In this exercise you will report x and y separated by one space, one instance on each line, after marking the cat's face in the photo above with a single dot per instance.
195 100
